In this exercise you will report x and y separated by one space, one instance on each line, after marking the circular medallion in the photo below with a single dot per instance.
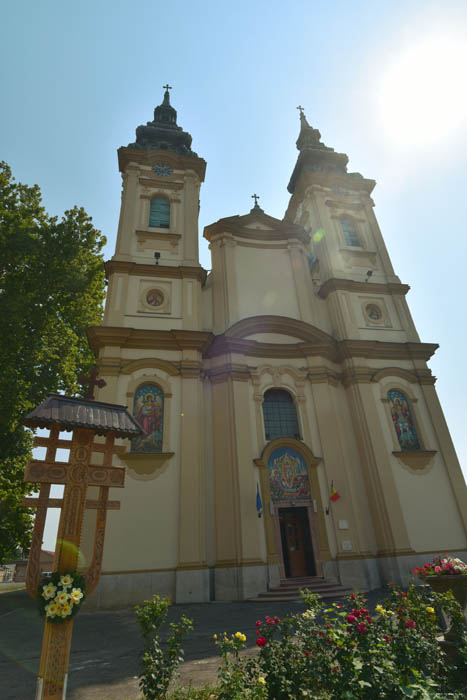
155 297
162 169
373 312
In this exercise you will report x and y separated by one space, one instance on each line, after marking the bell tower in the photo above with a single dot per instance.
158 228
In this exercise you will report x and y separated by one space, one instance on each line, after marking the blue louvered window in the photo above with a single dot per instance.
280 415
350 233
159 213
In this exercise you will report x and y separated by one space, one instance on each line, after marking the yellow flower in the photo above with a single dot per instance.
65 610
381 610
76 595
66 581
389 612
240 636
261 680
214 636
48 591
431 611
51 610
61 598
308 615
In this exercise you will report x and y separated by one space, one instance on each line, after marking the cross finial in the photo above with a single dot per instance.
92 381
255 197
301 109
167 87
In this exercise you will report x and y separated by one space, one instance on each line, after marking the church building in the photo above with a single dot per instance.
291 423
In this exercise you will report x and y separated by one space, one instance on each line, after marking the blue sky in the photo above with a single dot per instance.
383 81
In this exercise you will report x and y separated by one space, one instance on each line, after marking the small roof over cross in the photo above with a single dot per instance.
92 381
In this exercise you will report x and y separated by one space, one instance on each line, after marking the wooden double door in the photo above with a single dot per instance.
297 547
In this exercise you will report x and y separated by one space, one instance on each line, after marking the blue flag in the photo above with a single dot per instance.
259 505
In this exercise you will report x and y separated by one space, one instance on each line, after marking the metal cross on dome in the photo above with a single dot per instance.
167 87
301 109
255 197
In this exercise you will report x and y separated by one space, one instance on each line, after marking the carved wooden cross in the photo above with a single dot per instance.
92 381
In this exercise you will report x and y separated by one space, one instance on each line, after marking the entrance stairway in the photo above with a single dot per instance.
289 589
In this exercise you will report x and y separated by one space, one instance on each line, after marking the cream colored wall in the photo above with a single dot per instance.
429 508
265 283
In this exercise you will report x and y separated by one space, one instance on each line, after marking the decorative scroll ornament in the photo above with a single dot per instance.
61 595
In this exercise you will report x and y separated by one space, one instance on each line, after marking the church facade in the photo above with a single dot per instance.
291 423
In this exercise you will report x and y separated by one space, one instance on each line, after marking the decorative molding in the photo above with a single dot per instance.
415 459
156 182
102 336
172 238
142 270
395 372
336 284
279 324
146 466
150 363
129 157
241 227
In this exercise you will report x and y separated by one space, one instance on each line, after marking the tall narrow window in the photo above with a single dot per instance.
148 409
159 214
403 421
350 232
280 416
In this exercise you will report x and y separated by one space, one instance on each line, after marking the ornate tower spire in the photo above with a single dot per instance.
314 155
163 133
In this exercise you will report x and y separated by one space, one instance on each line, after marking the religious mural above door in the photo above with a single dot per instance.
149 412
288 475
403 422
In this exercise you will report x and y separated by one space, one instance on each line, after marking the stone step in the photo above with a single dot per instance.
289 590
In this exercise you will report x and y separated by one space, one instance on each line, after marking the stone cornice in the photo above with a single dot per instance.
156 183
105 336
143 157
141 270
239 226
335 284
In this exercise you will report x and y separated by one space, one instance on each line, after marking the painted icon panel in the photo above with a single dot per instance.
288 476
403 421
149 412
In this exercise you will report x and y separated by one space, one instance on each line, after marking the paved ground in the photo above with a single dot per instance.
106 645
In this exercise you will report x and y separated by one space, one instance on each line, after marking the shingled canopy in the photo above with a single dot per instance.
70 413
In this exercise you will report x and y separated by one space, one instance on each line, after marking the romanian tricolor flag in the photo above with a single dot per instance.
333 495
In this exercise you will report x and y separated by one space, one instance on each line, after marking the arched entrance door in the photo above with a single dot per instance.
294 520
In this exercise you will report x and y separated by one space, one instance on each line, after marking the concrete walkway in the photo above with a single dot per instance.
106 645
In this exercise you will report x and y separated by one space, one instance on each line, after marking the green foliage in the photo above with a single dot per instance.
51 290
159 662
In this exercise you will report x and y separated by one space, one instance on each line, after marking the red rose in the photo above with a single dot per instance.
350 618
410 624
307 653
261 642
258 623
362 628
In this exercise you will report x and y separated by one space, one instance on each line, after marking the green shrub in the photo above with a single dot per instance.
159 663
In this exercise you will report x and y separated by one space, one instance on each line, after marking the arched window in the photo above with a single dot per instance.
403 421
350 232
148 409
280 416
159 213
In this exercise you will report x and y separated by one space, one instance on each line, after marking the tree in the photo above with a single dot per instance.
51 290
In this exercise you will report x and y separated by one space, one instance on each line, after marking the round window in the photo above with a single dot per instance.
373 312
155 297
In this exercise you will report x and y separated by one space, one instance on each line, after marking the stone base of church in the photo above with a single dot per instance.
241 582
366 574
192 586
122 590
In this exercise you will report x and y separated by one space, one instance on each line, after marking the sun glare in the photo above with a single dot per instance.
422 96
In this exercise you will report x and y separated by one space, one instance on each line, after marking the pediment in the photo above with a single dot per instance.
257 225
291 329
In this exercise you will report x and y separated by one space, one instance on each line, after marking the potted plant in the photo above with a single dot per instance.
447 573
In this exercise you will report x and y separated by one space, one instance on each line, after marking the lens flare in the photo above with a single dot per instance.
318 235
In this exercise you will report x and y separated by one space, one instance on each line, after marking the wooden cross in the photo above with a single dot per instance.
167 87
255 197
92 381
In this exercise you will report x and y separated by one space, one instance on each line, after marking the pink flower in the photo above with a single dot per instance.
410 624
437 569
